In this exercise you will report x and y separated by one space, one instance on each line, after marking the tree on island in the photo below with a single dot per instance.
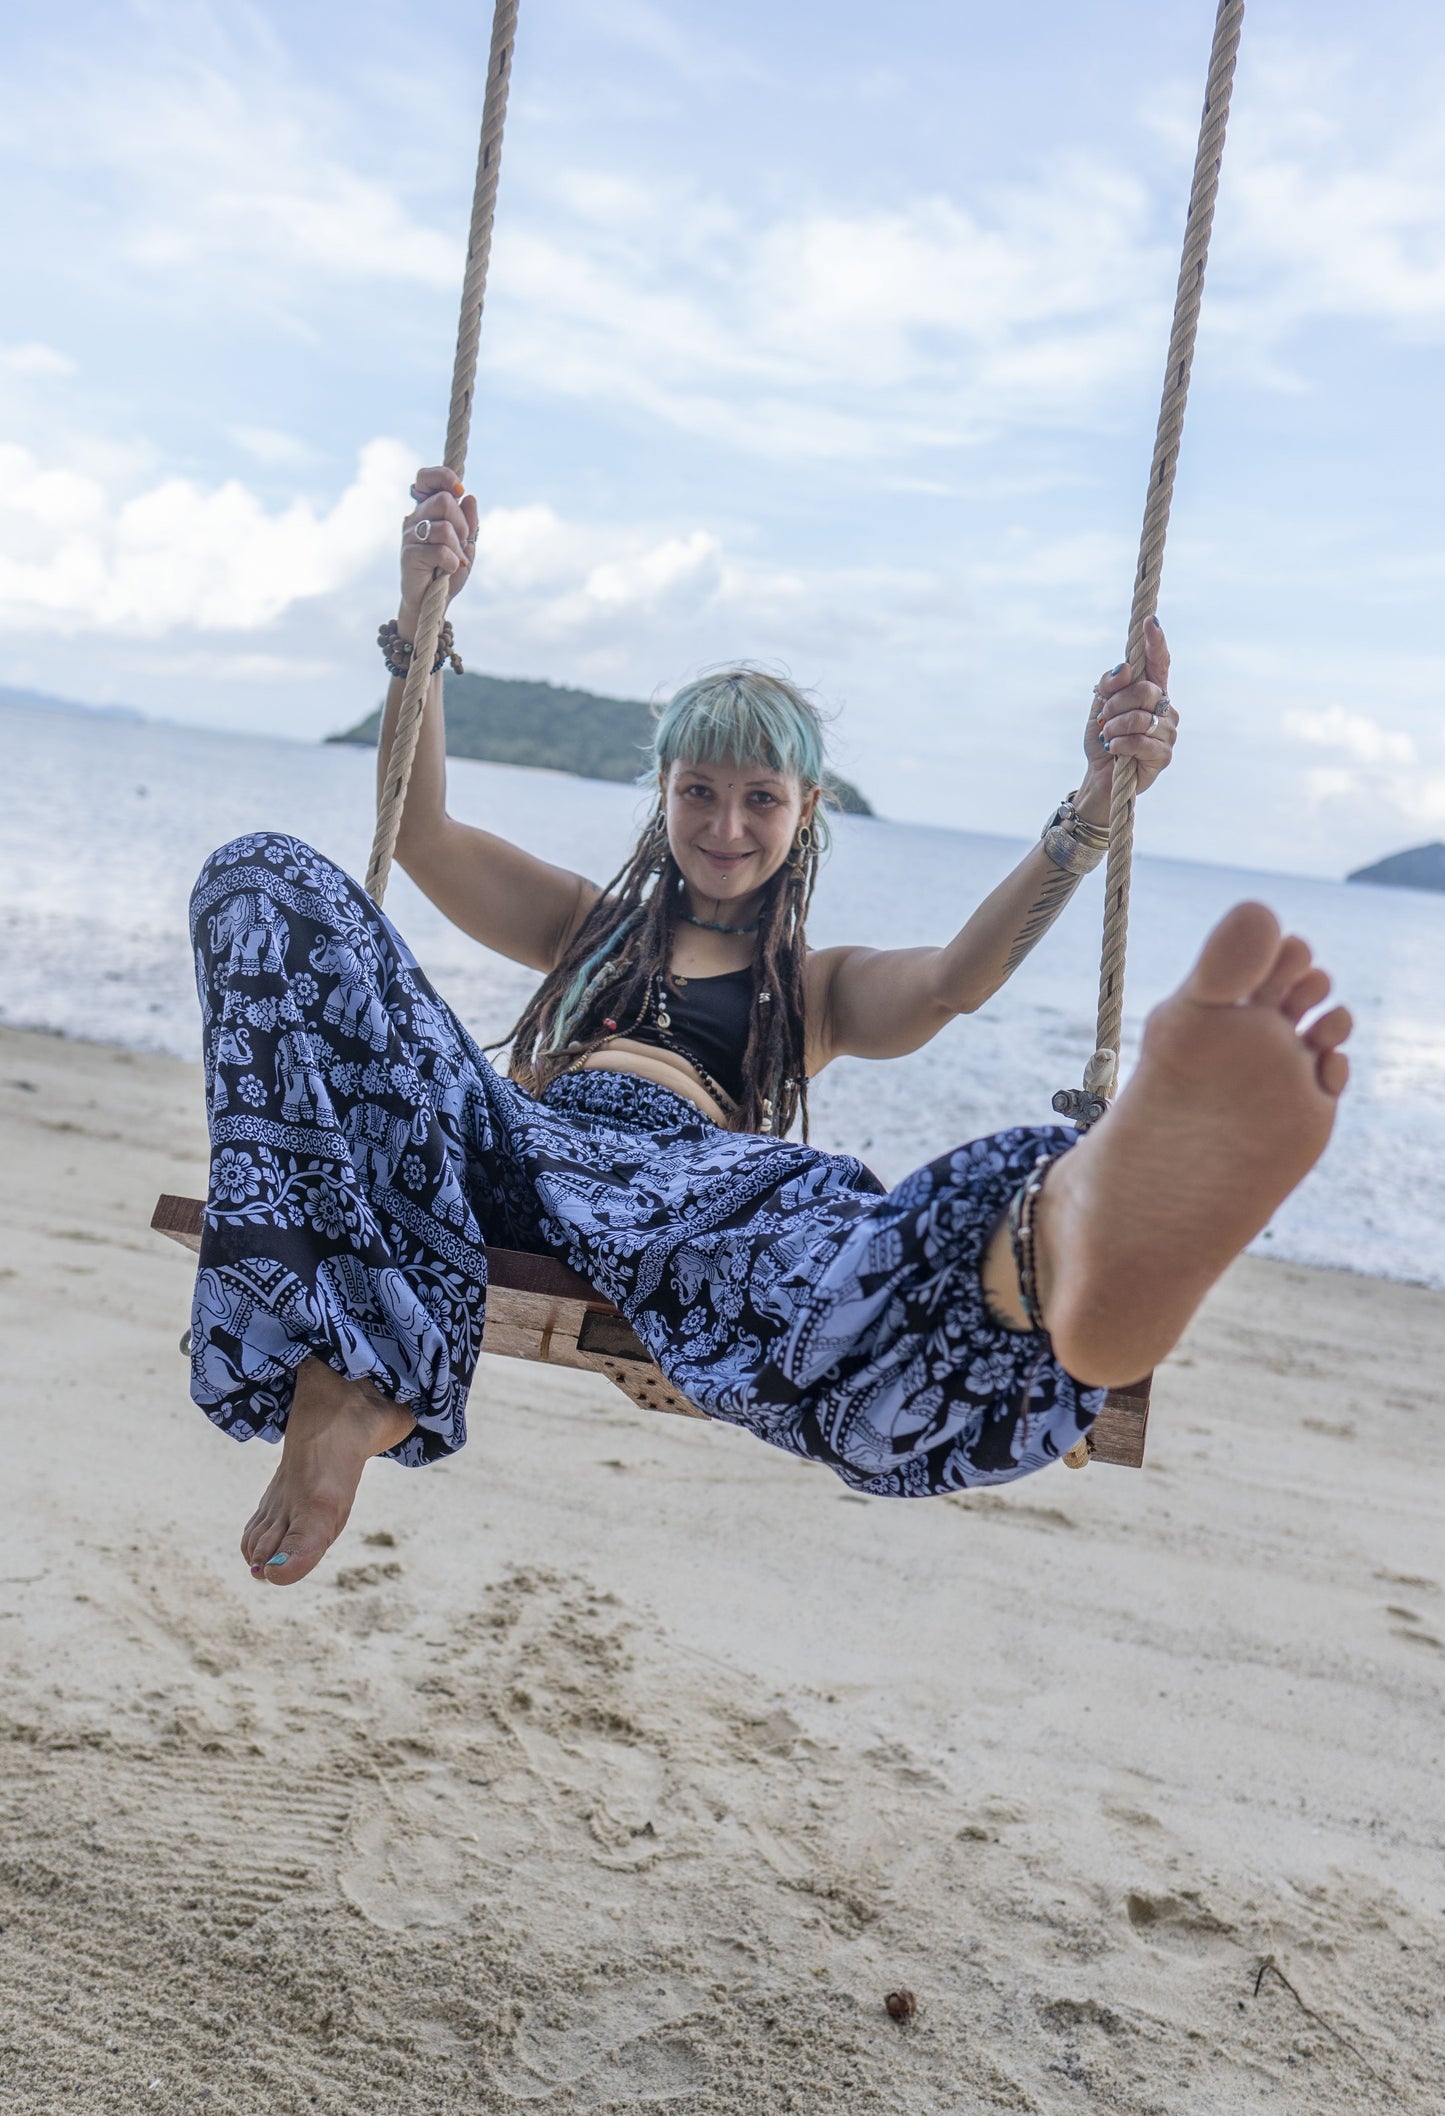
1422 867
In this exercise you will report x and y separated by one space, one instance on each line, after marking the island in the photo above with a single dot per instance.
1422 867
512 720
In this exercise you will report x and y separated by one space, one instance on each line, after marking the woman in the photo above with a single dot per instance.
959 1329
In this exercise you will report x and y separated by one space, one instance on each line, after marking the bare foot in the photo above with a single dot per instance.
1229 1108
334 1429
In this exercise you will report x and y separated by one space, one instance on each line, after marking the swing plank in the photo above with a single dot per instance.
1118 1433
540 1310
537 1309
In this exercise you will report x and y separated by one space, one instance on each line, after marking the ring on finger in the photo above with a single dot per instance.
422 532
419 492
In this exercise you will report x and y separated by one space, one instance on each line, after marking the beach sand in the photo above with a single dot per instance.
620 1763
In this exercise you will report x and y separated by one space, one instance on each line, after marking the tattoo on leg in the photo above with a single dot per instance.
1050 901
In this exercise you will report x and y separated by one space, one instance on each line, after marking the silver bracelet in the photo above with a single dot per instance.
1071 843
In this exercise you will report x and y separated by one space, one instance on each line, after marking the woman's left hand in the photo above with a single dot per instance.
1132 716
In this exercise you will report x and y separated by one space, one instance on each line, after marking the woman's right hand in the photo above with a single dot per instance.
447 542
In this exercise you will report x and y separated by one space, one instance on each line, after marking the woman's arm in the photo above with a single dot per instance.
884 1002
506 898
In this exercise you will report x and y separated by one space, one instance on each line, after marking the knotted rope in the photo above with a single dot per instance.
392 798
1101 1075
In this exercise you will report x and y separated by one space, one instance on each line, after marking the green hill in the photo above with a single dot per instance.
509 720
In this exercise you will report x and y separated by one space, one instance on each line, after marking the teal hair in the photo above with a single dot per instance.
591 976
747 714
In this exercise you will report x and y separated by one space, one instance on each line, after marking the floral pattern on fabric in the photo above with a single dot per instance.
364 1152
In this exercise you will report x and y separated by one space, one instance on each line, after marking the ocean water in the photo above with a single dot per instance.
109 821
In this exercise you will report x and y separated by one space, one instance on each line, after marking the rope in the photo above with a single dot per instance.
392 798
1101 1075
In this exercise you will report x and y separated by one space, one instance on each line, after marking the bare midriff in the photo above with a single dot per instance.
666 1068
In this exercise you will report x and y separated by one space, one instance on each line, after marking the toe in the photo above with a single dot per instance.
298 1552
263 1538
1237 958
1289 966
1330 1031
253 1532
1333 1072
1306 992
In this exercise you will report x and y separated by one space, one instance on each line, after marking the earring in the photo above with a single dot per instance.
802 849
657 841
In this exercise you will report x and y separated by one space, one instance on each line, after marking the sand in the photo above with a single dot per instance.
622 1764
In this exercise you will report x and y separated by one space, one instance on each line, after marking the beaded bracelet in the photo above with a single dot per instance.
396 652
1021 1238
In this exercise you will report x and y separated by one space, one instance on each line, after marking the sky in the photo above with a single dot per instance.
815 337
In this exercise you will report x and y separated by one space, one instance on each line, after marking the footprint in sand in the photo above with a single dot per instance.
1418 1580
1409 1624
1181 1920
620 2044
404 1868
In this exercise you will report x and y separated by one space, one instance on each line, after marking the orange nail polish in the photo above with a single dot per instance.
458 490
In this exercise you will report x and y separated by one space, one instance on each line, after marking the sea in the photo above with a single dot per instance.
109 819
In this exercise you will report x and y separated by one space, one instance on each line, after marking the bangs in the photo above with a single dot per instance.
746 715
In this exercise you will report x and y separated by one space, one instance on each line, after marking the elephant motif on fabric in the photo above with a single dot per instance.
352 1004
251 926
299 1079
378 1139
449 1200
247 1323
228 1047
357 1297
429 1023
446 1093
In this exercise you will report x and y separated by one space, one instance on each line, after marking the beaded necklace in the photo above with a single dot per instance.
711 925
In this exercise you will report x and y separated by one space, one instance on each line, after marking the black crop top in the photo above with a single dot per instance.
709 1024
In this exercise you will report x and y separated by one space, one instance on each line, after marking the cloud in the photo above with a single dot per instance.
875 337
266 445
829 334
34 362
179 557
205 154
1386 771
1333 203
1356 734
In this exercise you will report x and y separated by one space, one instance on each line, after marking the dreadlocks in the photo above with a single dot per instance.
618 959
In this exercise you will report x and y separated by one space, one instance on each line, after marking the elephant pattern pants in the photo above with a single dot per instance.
364 1152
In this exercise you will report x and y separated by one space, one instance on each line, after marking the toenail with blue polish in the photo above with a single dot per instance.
282 1557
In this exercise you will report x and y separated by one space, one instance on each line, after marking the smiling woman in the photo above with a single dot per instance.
731 852
960 1329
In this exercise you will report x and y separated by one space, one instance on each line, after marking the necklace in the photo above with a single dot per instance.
711 925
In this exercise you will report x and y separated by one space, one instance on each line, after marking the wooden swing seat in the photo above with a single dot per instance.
539 1309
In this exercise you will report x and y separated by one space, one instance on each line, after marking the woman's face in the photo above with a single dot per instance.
731 826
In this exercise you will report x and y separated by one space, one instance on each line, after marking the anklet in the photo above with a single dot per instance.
1021 1237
